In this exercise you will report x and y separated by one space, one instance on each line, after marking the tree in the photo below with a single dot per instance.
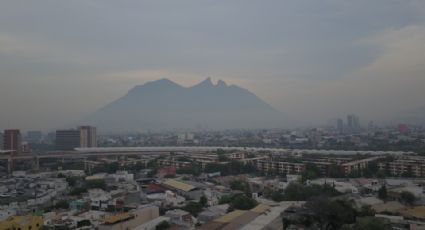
371 223
238 185
311 172
225 199
203 201
96 184
71 181
193 208
298 192
83 223
335 171
331 214
407 198
112 167
163 225
366 210
382 193
63 204
242 202
78 191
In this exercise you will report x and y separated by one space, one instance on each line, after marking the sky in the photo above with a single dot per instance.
314 60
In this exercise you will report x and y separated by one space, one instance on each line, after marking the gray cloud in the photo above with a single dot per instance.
61 60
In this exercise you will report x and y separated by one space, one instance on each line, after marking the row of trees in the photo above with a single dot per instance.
300 192
238 201
324 213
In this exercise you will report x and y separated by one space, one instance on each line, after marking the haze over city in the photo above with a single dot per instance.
61 61
212 115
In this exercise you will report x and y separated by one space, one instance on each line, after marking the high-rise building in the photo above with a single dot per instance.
1 141
12 140
88 137
83 137
67 139
353 123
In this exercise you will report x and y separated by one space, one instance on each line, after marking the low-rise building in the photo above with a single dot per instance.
130 220
32 222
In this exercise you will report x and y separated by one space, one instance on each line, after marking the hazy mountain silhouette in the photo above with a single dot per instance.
163 104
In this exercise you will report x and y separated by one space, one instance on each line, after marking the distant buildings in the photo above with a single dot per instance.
34 136
67 139
353 123
12 140
1 141
88 137
84 137
403 128
340 125
410 166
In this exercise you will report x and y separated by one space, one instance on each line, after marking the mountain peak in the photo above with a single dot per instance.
162 81
161 84
205 83
221 83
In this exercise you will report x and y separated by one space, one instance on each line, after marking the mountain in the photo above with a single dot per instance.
165 105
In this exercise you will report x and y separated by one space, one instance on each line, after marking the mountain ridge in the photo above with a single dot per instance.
165 105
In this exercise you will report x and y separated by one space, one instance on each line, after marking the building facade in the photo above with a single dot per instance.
12 140
67 139
88 137
83 137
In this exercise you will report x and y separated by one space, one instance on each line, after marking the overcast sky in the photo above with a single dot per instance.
314 60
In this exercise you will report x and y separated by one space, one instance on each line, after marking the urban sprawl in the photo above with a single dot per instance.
340 176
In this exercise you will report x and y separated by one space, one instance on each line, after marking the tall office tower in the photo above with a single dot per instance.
67 139
88 137
353 123
12 140
340 125
1 141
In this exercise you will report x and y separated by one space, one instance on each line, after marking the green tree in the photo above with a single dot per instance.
382 193
225 199
331 214
83 223
372 223
96 184
311 172
63 204
407 198
300 192
366 210
78 191
163 225
242 202
335 171
203 201
193 208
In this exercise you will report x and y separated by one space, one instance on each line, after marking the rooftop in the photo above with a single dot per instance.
179 185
